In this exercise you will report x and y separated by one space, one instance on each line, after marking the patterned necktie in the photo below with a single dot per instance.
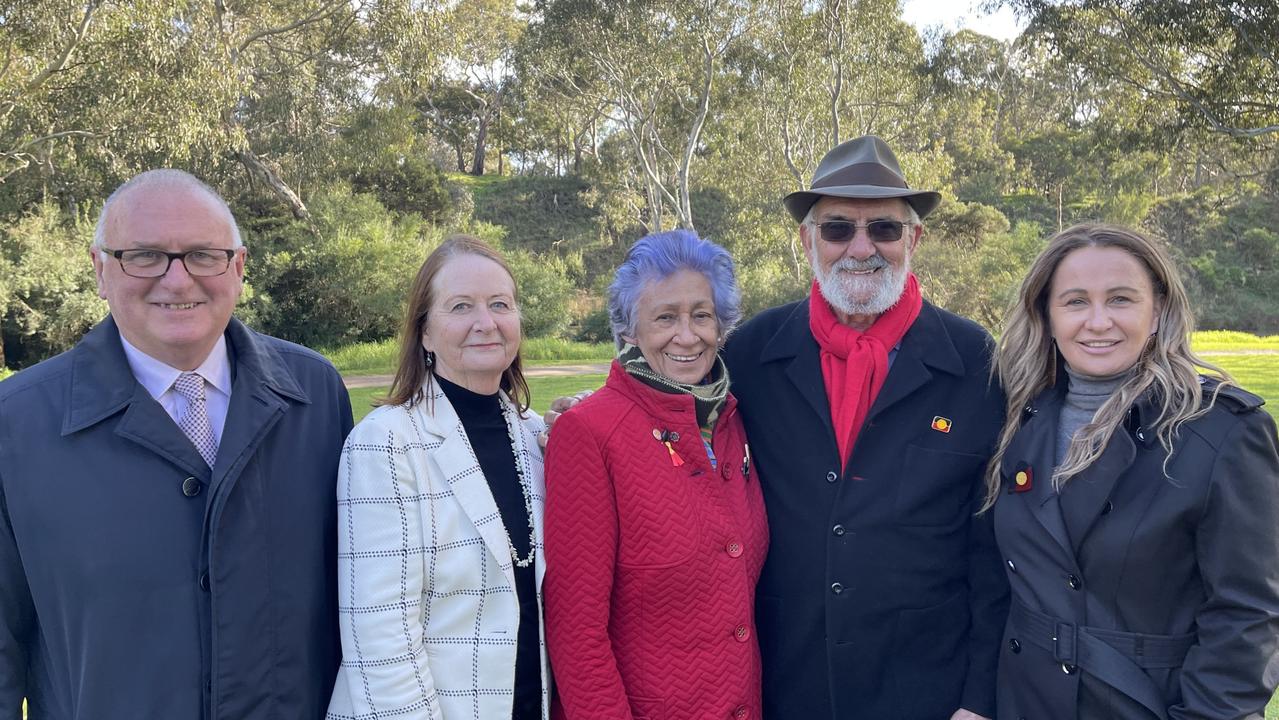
195 422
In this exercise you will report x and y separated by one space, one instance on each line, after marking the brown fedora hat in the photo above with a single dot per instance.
863 168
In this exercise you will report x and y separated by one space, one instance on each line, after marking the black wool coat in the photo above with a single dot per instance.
1139 595
882 594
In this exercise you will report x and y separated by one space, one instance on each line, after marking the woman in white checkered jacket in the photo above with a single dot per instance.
440 495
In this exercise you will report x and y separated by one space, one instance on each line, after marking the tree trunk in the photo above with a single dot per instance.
264 171
1061 190
461 160
481 138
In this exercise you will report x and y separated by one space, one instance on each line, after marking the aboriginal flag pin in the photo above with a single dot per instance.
941 424
1023 479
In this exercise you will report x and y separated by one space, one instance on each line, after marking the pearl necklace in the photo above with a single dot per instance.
523 472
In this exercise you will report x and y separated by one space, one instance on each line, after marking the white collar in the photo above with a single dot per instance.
158 377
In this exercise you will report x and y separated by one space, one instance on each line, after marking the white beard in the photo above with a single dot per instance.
842 288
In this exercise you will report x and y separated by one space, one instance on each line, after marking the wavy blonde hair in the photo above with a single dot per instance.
1026 359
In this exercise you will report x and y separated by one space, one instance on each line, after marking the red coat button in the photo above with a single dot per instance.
734 549
726 471
742 633
741 713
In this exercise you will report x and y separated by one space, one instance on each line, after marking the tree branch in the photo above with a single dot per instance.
322 13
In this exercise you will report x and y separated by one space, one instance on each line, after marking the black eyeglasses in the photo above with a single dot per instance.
879 231
205 262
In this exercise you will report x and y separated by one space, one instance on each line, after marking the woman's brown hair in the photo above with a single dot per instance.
413 375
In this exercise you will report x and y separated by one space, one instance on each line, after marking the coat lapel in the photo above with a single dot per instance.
1034 448
925 347
794 341
461 469
260 395
102 385
1084 495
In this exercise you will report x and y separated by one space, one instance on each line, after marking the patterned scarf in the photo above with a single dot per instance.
855 364
708 397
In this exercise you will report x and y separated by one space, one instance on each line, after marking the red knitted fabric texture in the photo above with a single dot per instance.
651 567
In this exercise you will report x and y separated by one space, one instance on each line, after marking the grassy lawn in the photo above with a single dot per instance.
1255 373
543 390
379 358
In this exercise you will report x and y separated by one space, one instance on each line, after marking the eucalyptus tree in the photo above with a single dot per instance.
102 88
1216 62
651 67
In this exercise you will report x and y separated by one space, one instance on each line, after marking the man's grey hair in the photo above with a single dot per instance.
165 178
911 215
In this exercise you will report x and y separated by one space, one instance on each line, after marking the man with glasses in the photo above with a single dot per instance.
167 516
871 416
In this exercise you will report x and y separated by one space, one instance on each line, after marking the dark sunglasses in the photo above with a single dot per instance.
879 231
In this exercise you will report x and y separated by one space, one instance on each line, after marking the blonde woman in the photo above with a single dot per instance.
1136 502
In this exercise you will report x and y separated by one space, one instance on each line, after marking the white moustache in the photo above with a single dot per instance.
875 262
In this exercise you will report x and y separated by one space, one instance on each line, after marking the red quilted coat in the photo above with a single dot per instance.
651 565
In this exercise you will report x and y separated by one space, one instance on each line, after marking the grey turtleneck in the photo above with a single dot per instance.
1084 395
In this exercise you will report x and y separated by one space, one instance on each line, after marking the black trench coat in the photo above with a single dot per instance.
882 597
1140 596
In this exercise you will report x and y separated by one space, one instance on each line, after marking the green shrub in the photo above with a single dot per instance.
341 281
48 296
545 291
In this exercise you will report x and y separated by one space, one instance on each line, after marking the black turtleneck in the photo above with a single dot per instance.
481 417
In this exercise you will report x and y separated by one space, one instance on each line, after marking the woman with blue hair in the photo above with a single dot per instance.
655 526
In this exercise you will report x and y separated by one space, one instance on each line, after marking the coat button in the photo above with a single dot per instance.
741 713
1012 566
836 588
734 549
1069 669
204 581
742 633
726 471
1073 582
831 476
190 487
838 530
1105 510
1014 646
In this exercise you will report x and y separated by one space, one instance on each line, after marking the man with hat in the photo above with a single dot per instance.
871 416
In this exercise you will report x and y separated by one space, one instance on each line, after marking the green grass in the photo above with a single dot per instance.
379 358
1255 373
543 390
1208 341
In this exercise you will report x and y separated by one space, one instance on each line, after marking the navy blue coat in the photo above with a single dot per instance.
134 582
882 596
1140 596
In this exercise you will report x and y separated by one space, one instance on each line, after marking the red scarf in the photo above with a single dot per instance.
855 364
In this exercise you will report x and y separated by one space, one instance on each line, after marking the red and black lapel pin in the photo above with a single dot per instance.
666 437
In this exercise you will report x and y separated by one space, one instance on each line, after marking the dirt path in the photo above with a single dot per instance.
363 381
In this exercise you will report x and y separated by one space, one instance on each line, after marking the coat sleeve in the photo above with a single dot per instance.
381 574
18 613
1233 668
581 556
987 609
